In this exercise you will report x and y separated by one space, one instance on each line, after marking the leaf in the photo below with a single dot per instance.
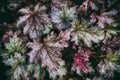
89 4
22 19
109 34
63 18
81 61
113 56
103 19
36 71
18 73
49 51
14 60
9 34
113 43
24 11
48 28
108 68
57 4
88 35
17 63
60 71
84 6
110 64
15 45
34 20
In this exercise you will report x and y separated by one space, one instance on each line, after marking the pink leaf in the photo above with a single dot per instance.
49 51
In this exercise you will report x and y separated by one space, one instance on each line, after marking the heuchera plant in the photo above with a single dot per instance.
60 39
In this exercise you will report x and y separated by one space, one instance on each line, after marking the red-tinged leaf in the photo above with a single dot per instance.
10 33
81 60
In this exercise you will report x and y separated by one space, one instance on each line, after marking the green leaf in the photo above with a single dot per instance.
89 34
86 34
15 45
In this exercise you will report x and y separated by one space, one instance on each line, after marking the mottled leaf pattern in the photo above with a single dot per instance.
16 62
33 20
60 39
81 61
89 4
103 19
88 35
49 51
63 17
57 4
15 45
